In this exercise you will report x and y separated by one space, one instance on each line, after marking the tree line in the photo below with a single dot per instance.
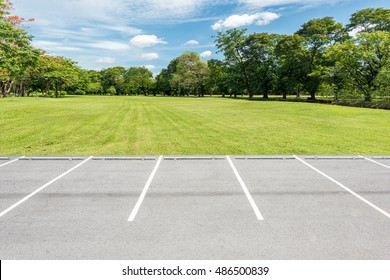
351 61
343 62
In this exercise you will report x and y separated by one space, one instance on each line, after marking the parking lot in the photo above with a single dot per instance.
195 207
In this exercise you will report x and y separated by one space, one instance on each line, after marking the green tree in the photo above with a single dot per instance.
319 34
363 62
138 80
370 20
191 74
16 53
293 66
163 79
261 60
232 44
57 73
113 77
94 85
218 78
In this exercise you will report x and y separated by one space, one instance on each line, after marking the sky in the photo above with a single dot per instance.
100 34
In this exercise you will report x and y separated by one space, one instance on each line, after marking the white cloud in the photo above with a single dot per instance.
124 29
145 41
150 67
149 56
206 54
234 21
354 32
109 45
106 60
53 46
191 43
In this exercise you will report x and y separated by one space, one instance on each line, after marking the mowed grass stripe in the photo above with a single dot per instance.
192 126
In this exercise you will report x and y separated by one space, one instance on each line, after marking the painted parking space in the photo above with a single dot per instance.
78 216
384 161
308 216
21 177
366 178
199 210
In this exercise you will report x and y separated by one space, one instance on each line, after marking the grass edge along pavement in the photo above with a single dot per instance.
85 125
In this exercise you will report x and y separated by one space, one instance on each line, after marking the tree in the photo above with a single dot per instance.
218 78
232 44
318 34
94 85
16 53
260 56
113 77
363 62
191 74
138 80
293 65
370 20
163 79
57 72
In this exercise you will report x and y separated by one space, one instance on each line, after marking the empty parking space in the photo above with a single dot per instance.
6 160
382 160
199 211
195 208
307 215
78 216
22 177
366 178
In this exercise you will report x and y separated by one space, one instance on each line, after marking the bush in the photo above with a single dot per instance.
111 91
36 94
79 92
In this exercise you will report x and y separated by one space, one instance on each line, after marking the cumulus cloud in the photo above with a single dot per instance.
206 54
145 41
191 43
149 56
150 67
106 60
234 21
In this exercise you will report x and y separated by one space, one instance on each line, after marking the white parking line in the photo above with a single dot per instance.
345 188
381 164
144 191
246 191
41 188
9 162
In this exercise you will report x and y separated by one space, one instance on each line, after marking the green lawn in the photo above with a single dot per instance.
191 126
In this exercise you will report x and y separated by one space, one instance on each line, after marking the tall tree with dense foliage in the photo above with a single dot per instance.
260 57
362 62
232 44
293 67
191 74
113 80
318 35
370 20
16 53
138 80
57 73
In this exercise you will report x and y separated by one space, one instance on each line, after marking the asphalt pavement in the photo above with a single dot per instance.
195 207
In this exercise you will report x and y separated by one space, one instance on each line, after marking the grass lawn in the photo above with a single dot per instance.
192 126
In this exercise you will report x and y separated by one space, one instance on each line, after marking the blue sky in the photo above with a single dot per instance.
106 33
